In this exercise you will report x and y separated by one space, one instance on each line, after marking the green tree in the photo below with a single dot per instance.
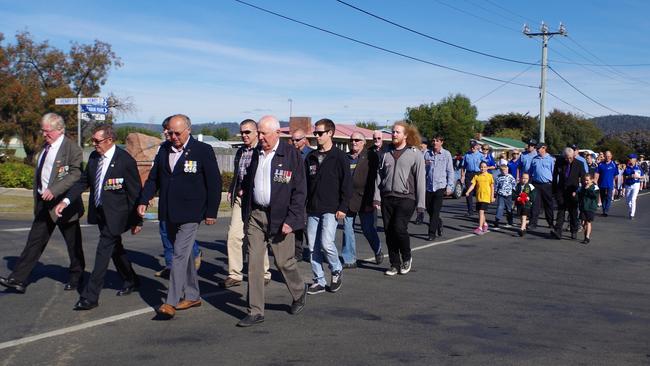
206 131
565 128
619 149
454 117
370 125
33 74
222 133
523 123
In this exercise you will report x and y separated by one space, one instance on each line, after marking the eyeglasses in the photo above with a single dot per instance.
177 133
356 140
97 142
320 133
298 139
394 132
247 132
376 138
46 131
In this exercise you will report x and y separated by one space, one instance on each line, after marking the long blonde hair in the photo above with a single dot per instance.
413 137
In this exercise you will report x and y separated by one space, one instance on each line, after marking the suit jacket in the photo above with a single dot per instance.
564 186
120 191
235 185
287 195
363 180
189 193
65 173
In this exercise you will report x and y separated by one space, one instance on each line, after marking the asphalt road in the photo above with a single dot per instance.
490 300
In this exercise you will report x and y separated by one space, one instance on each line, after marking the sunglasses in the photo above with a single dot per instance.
247 132
356 140
320 133
97 142
298 139
376 138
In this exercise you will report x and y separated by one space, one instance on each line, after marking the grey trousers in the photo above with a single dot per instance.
283 248
183 280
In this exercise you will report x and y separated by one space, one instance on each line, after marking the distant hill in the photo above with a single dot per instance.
233 127
621 123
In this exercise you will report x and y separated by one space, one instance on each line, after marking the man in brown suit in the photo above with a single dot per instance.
58 168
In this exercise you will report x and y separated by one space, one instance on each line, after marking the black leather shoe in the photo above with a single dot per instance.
251 320
440 231
431 238
299 304
85 304
127 290
13 284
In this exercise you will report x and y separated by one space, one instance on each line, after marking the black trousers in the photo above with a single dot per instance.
566 203
396 213
109 246
469 198
544 197
39 235
434 204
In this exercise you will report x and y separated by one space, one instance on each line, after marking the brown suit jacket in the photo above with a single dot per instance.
65 173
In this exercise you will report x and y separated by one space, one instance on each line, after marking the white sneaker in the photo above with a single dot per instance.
406 267
392 271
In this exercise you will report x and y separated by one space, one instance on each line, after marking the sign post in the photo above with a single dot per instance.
94 108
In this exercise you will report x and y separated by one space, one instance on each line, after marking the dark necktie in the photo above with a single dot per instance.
98 181
39 185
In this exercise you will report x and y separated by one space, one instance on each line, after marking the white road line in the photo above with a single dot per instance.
29 228
432 244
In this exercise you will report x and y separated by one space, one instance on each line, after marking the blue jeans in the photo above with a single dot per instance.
321 232
606 198
504 203
349 252
168 246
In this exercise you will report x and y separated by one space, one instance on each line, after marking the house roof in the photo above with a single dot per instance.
503 142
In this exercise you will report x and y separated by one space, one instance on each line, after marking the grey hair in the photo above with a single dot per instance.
54 120
186 119
359 134
568 152
272 121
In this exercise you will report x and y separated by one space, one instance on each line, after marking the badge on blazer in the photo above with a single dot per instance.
62 171
282 176
113 184
313 169
190 166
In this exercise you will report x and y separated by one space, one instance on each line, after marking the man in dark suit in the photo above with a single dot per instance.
58 168
273 206
567 176
114 182
186 175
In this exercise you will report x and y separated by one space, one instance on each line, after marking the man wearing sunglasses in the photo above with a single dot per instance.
248 131
57 169
114 182
363 168
186 175
328 192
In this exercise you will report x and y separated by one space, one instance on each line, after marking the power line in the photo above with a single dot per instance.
432 37
381 48
593 64
569 104
511 12
504 84
476 16
581 92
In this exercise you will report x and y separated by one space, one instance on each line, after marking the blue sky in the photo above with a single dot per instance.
224 61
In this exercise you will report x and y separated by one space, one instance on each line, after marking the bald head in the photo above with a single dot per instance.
377 137
268 129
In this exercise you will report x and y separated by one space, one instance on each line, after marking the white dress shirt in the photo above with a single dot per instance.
262 189
107 157
175 154
48 164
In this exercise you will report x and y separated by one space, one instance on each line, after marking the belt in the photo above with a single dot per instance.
260 207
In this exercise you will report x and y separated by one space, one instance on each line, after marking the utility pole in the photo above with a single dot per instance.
290 107
546 35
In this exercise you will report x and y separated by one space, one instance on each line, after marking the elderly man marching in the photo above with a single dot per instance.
273 207
440 182
186 175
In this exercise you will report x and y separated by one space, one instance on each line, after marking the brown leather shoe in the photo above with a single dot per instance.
186 304
230 282
166 310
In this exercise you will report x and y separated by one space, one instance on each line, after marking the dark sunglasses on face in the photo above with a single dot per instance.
247 132
356 140
297 139
320 133
97 142
376 138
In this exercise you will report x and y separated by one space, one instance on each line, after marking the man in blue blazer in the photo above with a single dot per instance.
114 183
186 175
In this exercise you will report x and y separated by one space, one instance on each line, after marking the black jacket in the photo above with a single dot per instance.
564 186
120 190
363 180
190 193
329 184
287 195
235 185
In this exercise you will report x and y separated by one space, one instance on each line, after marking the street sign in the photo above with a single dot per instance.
90 108
99 101
65 101
93 116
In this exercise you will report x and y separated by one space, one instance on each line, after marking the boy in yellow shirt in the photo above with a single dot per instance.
484 185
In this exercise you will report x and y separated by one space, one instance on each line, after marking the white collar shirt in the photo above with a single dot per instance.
262 183
48 164
175 154
105 161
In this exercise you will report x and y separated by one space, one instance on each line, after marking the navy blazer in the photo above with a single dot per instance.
287 198
120 190
189 193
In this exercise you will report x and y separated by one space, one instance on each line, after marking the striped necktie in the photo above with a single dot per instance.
98 181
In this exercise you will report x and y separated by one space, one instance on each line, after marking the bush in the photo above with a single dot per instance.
226 178
16 175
